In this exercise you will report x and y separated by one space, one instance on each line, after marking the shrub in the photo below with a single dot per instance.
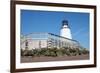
85 51
46 53
36 52
59 53
50 52
53 52
26 53
22 52
29 53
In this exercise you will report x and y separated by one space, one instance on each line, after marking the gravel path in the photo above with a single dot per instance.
45 59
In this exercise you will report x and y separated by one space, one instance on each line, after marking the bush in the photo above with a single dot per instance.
29 53
22 52
59 53
53 52
47 52
37 52
85 51
50 52
26 53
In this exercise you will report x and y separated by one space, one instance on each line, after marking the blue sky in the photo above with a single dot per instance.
51 21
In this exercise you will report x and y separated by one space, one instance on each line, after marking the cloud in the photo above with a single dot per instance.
81 32
78 32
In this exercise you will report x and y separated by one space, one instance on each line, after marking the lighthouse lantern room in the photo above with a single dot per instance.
65 30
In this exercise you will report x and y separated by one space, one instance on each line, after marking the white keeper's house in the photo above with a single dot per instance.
49 40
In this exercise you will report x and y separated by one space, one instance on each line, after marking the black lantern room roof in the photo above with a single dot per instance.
64 22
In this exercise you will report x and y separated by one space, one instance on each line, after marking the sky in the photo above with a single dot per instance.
51 22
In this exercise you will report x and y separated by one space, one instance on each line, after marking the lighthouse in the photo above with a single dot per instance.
65 30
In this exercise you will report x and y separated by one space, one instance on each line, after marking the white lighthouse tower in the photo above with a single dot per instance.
65 30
